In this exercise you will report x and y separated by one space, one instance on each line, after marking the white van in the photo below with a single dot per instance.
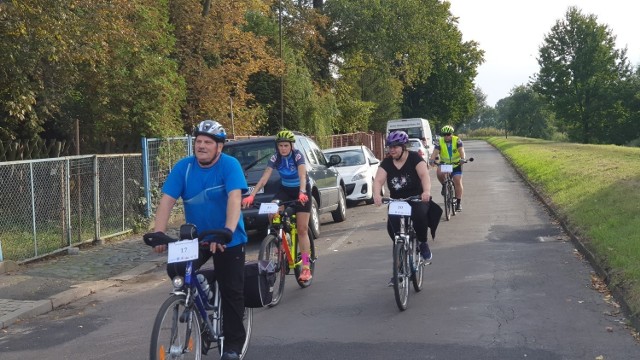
415 128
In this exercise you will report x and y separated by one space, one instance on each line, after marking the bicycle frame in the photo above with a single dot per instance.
200 299
278 227
189 305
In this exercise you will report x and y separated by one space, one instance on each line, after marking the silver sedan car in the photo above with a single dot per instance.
357 168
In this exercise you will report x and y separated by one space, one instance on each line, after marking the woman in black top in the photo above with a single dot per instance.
406 174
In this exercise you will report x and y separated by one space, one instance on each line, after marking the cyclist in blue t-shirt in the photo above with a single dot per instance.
211 184
295 184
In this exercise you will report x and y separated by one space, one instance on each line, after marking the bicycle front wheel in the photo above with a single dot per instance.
176 331
452 199
271 250
447 200
401 270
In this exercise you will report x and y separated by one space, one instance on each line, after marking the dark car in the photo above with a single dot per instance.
327 186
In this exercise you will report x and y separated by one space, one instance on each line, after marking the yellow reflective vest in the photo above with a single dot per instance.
445 157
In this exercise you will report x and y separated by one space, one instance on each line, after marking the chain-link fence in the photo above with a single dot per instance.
158 157
51 204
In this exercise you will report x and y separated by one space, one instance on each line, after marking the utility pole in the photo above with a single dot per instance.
281 76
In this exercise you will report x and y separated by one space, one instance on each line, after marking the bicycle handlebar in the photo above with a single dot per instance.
457 163
160 238
414 198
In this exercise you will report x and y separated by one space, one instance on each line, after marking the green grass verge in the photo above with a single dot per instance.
596 190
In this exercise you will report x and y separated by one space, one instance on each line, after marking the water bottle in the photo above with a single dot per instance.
205 286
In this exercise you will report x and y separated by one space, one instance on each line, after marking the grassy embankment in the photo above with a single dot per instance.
595 190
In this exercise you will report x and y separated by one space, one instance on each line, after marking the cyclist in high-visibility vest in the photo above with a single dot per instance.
450 151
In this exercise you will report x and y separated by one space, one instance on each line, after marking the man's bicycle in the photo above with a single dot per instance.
280 246
449 188
188 324
408 265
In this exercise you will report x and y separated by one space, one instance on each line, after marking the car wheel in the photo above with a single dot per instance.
314 219
340 214
369 201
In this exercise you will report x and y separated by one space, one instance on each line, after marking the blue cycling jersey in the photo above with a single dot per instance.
204 192
287 167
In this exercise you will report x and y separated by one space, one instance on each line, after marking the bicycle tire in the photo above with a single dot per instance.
170 335
247 321
447 199
271 250
452 202
400 279
417 267
312 263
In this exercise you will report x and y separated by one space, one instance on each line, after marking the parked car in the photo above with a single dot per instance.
327 186
418 146
358 168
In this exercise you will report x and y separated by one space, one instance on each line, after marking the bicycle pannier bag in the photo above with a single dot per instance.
259 277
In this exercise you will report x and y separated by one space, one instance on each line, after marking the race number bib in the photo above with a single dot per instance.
268 208
446 168
399 208
184 250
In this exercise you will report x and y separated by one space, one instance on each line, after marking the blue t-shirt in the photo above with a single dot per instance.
205 191
287 166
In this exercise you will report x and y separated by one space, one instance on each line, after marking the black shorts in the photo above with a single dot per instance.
291 193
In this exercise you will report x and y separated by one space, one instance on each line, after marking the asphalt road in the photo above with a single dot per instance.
505 283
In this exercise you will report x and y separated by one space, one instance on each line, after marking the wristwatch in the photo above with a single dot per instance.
303 191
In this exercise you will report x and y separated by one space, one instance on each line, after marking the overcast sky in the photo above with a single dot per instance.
511 32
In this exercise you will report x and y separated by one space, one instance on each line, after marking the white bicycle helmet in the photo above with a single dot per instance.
211 128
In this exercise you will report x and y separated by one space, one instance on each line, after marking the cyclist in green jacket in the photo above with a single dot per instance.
451 151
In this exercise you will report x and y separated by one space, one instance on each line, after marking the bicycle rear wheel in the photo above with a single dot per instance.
247 321
417 267
176 331
312 263
401 271
271 250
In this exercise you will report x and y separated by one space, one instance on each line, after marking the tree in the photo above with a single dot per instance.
409 45
580 74
107 66
218 53
485 116
525 113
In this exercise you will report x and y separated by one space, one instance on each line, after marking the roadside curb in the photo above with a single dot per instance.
8 266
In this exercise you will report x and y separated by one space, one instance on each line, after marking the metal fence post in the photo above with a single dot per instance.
145 176
67 179
96 199
33 210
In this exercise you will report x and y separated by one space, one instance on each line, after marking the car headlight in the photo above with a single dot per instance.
358 176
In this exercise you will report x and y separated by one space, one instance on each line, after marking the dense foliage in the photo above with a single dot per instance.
122 69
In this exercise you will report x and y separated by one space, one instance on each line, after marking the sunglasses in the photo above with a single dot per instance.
447 134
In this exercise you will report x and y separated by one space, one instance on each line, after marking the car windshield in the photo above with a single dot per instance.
349 157
248 153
